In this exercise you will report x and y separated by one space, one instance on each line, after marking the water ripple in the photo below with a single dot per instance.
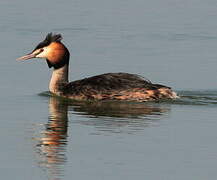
203 97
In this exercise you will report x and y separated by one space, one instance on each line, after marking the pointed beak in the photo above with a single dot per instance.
28 56
31 55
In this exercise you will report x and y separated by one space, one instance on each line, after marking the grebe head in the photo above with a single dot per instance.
56 54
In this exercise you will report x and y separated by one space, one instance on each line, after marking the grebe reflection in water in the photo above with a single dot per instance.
110 116
51 145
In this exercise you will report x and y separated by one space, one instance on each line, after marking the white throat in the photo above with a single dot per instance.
59 78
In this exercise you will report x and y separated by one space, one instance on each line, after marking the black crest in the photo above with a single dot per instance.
49 39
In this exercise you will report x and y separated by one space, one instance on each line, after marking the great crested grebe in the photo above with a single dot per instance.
110 86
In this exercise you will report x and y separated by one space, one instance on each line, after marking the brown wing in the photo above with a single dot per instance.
109 82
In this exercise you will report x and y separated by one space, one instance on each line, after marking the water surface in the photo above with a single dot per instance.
169 42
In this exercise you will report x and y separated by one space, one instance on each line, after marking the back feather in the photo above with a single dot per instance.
110 82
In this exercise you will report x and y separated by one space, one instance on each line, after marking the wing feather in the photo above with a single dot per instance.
109 82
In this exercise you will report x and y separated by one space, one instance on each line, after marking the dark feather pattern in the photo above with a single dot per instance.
109 83
49 39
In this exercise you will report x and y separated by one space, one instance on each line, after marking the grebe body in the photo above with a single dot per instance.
109 86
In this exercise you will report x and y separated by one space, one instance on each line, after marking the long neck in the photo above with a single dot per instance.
59 79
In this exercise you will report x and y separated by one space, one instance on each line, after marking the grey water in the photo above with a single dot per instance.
171 42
